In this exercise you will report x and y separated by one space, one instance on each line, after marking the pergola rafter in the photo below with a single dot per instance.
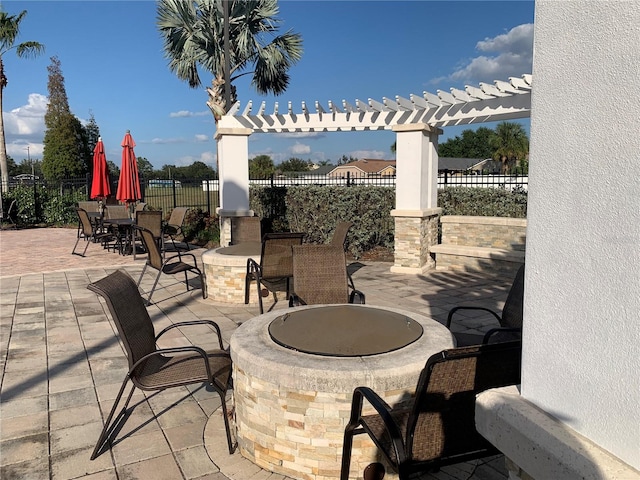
487 103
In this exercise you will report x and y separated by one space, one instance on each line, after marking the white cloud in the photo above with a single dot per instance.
162 141
201 137
513 55
300 149
313 135
372 154
24 127
207 157
187 113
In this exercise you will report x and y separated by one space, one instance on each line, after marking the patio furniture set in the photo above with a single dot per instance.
417 416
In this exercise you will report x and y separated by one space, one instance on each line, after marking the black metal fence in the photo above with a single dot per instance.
204 194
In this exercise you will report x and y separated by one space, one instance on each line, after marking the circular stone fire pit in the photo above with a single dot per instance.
292 407
225 269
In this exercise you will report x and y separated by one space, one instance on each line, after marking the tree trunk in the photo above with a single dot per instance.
3 146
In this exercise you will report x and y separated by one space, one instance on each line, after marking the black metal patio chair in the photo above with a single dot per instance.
510 320
90 232
171 265
438 427
152 368
320 276
275 266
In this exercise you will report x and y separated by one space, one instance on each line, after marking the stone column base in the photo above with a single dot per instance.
415 232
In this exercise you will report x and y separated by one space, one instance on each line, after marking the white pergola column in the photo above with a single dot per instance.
233 172
416 213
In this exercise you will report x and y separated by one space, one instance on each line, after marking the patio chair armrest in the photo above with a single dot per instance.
497 331
356 293
455 309
179 257
161 351
253 267
194 322
384 410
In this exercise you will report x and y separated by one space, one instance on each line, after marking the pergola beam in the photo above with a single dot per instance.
487 103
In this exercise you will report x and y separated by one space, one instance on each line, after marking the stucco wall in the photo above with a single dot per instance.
582 299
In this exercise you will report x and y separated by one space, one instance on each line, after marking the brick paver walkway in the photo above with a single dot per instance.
62 365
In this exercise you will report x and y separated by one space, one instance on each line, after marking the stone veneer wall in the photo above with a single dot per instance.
413 237
480 243
491 232
311 450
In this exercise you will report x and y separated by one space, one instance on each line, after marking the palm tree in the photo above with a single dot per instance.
9 30
193 34
510 144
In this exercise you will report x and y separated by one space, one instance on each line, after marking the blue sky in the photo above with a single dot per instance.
112 60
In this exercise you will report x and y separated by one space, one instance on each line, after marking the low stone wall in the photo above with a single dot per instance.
480 243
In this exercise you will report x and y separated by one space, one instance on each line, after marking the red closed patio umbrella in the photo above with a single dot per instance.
100 187
129 183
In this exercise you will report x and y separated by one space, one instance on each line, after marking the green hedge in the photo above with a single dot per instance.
483 202
316 210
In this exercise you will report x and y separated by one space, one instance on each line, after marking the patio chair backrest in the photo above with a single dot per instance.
154 256
88 206
177 216
115 211
85 222
320 274
129 314
151 220
442 420
276 261
141 206
245 229
512 312
339 238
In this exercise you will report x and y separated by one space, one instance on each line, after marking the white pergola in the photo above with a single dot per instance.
417 121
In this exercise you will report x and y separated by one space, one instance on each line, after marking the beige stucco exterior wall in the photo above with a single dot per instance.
581 353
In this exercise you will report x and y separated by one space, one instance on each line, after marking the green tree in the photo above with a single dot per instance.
294 165
470 144
9 31
145 169
261 166
93 132
193 35
199 171
114 170
66 151
510 145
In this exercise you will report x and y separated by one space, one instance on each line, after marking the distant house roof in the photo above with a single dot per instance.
322 170
368 166
457 164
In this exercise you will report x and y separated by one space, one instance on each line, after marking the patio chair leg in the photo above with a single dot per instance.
346 453
109 426
259 295
225 415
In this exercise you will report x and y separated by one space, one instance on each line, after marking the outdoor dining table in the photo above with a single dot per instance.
125 231
294 372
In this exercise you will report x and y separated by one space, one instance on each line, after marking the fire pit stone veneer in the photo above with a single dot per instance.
292 407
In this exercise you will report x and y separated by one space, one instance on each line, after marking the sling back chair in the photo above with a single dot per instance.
320 276
173 227
275 266
7 216
89 232
438 428
152 221
339 238
245 229
153 368
170 265
510 321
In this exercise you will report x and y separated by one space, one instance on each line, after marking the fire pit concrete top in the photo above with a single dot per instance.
254 351
344 330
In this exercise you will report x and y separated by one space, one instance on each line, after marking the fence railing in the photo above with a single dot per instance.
166 194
